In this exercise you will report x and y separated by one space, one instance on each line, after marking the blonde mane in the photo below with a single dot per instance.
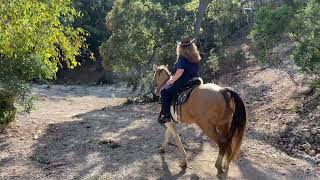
162 67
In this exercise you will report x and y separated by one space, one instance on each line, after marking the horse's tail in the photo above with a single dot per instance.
237 126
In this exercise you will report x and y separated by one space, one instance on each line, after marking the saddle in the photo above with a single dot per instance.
184 93
182 96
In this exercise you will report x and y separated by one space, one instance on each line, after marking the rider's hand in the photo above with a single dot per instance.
170 81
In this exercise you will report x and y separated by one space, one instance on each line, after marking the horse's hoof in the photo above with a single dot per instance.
184 164
220 171
226 167
222 176
161 151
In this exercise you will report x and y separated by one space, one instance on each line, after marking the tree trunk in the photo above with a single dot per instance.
200 15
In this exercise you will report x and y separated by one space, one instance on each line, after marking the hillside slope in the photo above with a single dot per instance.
282 109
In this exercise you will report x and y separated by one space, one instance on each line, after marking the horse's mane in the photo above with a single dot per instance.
164 68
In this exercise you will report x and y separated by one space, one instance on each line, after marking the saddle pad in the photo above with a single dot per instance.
183 95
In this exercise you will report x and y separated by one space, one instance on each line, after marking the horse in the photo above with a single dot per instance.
218 111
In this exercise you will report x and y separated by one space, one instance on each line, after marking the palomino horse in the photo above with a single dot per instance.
218 111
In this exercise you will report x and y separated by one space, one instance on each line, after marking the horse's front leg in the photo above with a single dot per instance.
173 130
167 135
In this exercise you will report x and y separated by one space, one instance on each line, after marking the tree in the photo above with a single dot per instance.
36 36
200 16
305 30
300 20
145 32
269 27
93 21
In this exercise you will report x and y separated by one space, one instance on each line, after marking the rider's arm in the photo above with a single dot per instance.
176 76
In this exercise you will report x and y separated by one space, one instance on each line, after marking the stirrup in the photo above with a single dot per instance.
162 119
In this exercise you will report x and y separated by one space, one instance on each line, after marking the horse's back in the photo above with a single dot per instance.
209 92
206 101
211 86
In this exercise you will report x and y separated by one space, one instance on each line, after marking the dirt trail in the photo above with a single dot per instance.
84 132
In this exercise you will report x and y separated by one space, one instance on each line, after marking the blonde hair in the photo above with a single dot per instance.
190 52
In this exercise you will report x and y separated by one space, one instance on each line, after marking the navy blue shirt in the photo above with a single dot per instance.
191 70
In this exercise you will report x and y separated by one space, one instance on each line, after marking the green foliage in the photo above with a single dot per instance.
213 61
270 24
239 57
224 23
93 21
145 32
315 84
7 110
147 28
306 32
36 36
301 21
223 19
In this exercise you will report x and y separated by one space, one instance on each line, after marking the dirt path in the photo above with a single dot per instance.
84 132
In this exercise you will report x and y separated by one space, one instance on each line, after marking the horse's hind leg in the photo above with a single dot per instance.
172 128
225 130
165 141
222 143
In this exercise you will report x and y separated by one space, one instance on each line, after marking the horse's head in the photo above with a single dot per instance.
161 77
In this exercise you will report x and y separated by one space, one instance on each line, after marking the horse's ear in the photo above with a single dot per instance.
155 67
167 65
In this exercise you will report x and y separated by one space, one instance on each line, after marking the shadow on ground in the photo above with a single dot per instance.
101 143
61 92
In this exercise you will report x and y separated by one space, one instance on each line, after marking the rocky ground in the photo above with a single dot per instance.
279 112
85 132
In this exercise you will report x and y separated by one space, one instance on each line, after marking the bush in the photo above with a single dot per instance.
36 37
7 110
145 33
239 57
213 61
306 32
268 28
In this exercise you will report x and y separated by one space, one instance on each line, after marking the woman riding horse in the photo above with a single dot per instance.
219 111
186 68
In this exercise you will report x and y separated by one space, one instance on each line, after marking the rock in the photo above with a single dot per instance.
289 149
307 134
36 137
281 143
318 156
290 145
311 152
292 140
313 131
318 108
294 151
306 146
295 133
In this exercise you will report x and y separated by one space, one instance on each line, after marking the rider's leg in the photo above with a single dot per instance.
167 96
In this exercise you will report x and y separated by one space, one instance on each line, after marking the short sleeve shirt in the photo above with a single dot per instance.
191 70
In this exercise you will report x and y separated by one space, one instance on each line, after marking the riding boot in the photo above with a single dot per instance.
164 117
